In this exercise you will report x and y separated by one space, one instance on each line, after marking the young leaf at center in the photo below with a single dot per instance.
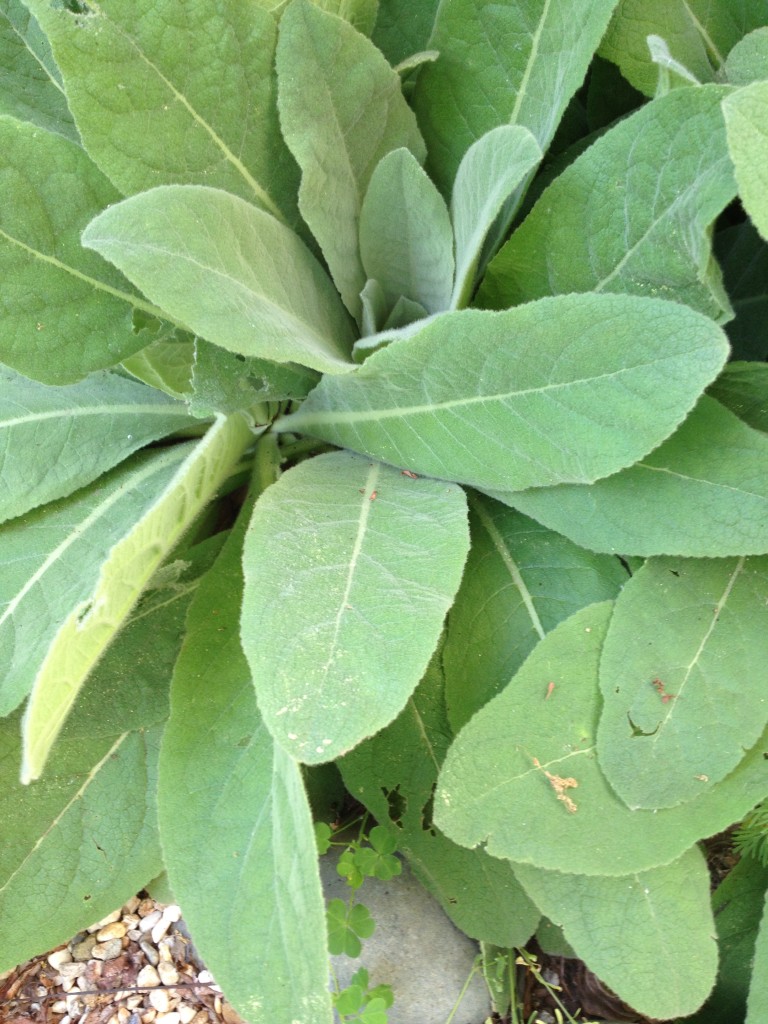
339 554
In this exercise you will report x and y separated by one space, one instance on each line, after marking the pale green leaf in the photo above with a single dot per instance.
161 98
65 311
522 775
403 28
51 560
226 381
757 1003
748 60
165 364
92 624
648 936
569 388
687 646
513 63
520 581
406 240
341 111
359 13
490 172
249 886
745 122
339 554
743 388
30 83
54 440
394 775
631 214
229 271
704 492
698 33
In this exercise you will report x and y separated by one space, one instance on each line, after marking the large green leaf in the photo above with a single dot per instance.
631 214
339 554
757 1003
745 123
570 388
30 83
403 28
394 775
250 887
341 111
698 34
743 388
649 936
406 240
687 645
513 63
229 271
520 581
92 623
54 440
166 96
491 171
704 492
65 311
522 776
748 60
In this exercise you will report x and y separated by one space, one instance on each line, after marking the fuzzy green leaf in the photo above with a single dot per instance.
341 552
698 33
490 172
403 28
745 122
703 492
520 581
406 240
229 271
30 82
522 775
394 775
341 111
748 60
160 97
65 311
687 644
757 1003
512 63
631 214
649 936
166 364
250 887
92 623
743 388
54 440
570 388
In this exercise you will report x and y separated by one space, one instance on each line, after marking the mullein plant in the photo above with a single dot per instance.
383 384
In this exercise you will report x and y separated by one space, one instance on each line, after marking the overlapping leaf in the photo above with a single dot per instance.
87 627
687 646
514 63
340 553
229 271
743 388
649 936
520 581
403 28
250 886
748 60
704 492
159 98
54 440
757 1003
631 214
522 775
744 112
341 111
570 388
394 775
65 311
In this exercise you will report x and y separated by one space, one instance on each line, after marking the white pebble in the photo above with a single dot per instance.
172 912
108 950
148 977
134 934
132 904
114 916
159 999
160 929
134 1002
59 957
147 923
72 970
187 1013
172 1017
205 978
116 930
149 952
148 1017
60 1006
130 920
164 949
168 973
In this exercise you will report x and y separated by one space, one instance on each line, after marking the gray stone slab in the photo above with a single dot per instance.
416 949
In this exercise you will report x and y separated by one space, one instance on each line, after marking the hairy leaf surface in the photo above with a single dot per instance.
627 928
686 648
757 1003
229 271
339 554
744 113
570 388
523 778
703 492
